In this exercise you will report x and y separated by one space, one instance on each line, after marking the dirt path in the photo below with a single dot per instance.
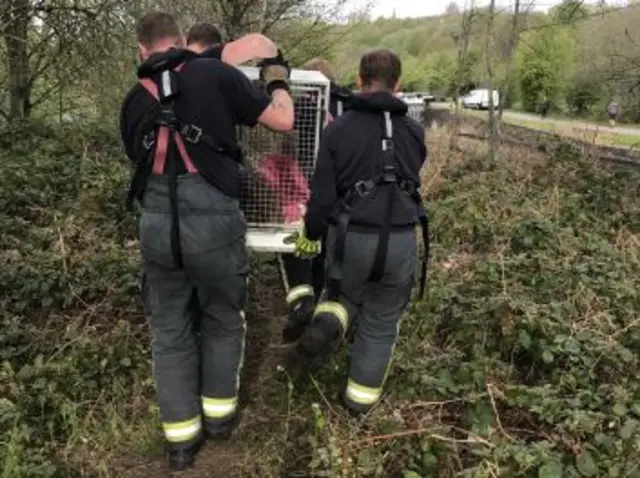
263 352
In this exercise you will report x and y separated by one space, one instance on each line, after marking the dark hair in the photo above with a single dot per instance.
381 67
321 65
204 33
156 26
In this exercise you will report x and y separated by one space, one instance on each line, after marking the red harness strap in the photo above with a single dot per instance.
162 143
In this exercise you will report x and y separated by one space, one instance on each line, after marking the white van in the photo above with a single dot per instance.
479 99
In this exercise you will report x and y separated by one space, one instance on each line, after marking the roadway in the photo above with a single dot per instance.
585 125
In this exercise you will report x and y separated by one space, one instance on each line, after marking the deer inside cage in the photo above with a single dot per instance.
278 167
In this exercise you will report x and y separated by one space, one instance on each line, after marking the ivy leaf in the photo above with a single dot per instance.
620 409
525 339
586 464
547 357
410 474
628 429
553 469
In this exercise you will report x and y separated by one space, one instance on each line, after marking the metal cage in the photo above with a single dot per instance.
278 166
416 111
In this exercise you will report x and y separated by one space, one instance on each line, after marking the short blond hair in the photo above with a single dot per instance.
321 65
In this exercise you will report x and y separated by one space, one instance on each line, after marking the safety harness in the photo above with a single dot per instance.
387 179
162 82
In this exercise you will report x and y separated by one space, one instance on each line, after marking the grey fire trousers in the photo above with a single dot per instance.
371 309
196 380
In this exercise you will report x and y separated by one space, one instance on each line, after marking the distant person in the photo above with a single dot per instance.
545 107
613 110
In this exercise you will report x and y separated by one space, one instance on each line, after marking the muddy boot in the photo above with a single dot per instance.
342 400
316 344
300 314
182 458
221 431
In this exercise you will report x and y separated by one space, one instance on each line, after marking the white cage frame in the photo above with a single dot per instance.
267 236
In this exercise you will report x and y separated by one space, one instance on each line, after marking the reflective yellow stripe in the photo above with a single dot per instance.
337 310
241 360
182 431
361 394
393 349
218 407
299 291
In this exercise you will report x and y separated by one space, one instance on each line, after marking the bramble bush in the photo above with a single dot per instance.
522 362
71 344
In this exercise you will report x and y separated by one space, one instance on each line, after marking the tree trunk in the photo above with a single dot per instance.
493 131
514 37
463 50
15 18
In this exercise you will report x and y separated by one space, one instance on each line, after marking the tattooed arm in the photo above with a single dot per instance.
250 105
279 114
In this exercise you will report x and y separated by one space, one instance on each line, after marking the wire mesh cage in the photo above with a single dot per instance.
416 111
278 167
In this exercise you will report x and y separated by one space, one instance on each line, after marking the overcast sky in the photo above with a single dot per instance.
421 8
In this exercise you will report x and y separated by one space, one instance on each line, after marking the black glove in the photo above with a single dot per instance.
275 73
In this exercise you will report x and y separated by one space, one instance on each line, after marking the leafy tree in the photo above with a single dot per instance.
452 9
583 94
569 11
544 65
442 69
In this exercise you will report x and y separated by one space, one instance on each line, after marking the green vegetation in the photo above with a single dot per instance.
522 362
578 56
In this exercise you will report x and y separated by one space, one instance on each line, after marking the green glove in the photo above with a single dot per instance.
305 248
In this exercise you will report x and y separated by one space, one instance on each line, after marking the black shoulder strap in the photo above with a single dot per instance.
389 176
360 190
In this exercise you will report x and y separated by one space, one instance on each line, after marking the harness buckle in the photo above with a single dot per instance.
407 186
148 141
191 133
387 144
361 188
389 174
167 118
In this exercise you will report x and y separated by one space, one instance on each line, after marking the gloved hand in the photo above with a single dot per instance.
275 73
305 248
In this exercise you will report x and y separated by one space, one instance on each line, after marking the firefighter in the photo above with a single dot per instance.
365 194
340 95
304 279
338 104
205 40
178 128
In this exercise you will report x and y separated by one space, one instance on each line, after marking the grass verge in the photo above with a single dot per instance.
522 362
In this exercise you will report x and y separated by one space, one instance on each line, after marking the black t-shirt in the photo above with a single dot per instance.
213 52
214 96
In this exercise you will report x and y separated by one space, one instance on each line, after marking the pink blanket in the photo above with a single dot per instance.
287 181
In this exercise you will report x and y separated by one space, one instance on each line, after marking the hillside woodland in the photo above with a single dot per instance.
67 58
578 56
521 362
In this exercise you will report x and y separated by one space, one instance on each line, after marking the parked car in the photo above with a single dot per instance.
416 97
479 99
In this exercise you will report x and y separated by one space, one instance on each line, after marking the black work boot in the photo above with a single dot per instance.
222 431
349 408
182 458
300 314
317 342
